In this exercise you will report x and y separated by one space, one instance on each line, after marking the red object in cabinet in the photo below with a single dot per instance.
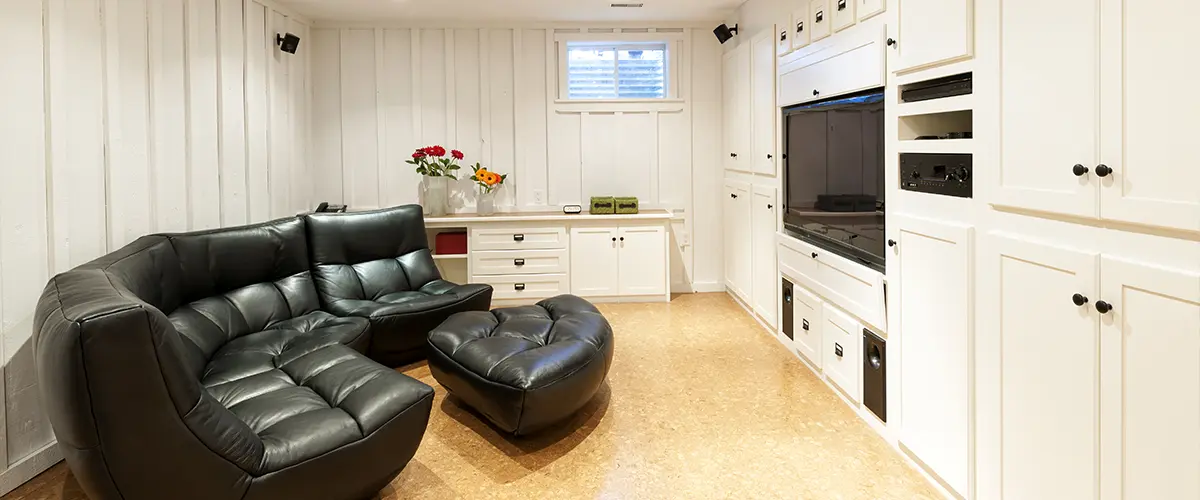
451 243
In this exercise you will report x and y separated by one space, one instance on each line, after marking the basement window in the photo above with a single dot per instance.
609 71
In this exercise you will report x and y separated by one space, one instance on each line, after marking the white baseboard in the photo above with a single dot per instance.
33 464
708 287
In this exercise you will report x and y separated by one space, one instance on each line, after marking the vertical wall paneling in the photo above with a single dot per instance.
327 116
279 109
434 108
127 78
298 121
463 69
168 115
258 182
531 118
398 181
707 174
360 150
499 131
75 54
203 158
234 202
381 130
23 231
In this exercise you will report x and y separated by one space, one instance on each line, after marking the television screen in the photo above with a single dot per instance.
834 176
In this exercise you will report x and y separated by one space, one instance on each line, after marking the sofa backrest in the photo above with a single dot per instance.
366 255
240 280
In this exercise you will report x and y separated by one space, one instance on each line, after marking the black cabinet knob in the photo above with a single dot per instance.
814 254
1079 170
1103 170
614 240
1103 307
770 156
891 243
1079 299
891 42
622 238
731 195
816 92
770 206
733 155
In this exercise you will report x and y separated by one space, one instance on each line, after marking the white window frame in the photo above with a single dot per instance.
673 42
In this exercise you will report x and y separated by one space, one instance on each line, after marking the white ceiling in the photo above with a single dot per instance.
513 10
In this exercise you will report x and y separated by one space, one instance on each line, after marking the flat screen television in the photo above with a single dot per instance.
833 152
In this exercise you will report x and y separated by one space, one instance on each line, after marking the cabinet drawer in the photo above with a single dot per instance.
842 359
783 38
533 286
796 260
517 238
807 325
820 18
843 14
519 262
801 28
850 67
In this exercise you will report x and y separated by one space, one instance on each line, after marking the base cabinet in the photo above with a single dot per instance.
807 323
1089 376
842 357
765 265
618 261
738 242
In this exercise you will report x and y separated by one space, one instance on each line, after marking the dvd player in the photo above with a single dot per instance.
949 86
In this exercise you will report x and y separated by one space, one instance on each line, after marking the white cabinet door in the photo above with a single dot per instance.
643 260
783 38
1039 410
806 324
737 108
764 112
1047 129
765 262
935 31
868 8
934 290
1148 123
595 261
801 28
738 246
1150 397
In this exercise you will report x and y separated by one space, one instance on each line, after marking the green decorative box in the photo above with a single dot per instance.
603 205
627 205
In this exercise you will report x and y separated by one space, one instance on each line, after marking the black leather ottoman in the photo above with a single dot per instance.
526 367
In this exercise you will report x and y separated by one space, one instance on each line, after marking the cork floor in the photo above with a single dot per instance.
700 403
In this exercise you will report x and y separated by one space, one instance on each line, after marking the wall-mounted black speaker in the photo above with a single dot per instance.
287 42
724 33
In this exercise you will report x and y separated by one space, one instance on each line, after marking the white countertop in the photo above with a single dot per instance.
645 215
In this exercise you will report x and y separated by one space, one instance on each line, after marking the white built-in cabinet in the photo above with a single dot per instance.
765 220
1111 143
933 32
1095 360
618 261
738 116
739 252
841 357
868 8
807 321
934 296
751 115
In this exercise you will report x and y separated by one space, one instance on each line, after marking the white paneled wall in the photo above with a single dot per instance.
120 118
380 93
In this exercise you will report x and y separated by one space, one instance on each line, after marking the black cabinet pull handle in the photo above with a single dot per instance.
891 243
816 92
804 323
837 349
1079 170
782 36
1079 299
814 254
518 237
770 206
1103 307
518 262
820 16
1103 170
800 27
841 4
770 156
891 42
519 286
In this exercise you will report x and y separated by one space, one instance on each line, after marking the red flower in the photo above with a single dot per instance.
458 155
418 155
437 151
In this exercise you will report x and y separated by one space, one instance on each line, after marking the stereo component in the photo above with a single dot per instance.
949 86
788 310
875 374
943 174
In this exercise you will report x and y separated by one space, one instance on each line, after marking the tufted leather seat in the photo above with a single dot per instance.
524 367
377 265
200 366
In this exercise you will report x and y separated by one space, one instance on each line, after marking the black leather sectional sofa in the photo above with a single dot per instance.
230 364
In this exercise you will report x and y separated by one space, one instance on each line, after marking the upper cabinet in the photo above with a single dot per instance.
843 14
763 112
933 32
819 19
868 8
1106 145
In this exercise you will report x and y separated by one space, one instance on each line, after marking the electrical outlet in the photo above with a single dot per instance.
685 238
539 197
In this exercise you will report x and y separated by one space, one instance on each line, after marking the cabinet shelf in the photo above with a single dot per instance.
933 106
450 256
938 146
